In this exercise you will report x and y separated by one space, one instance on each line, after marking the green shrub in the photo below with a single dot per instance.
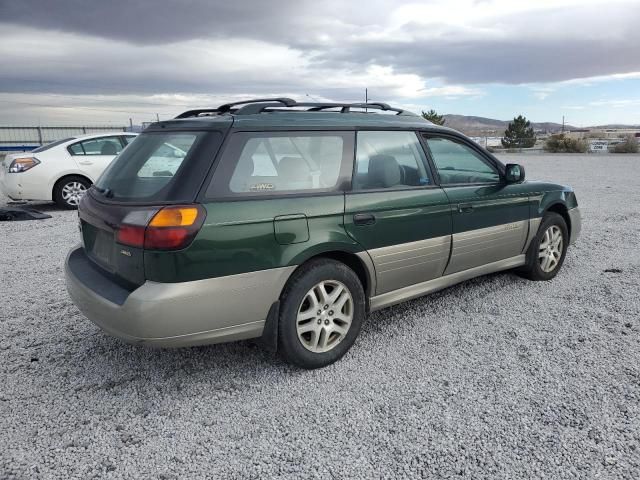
630 145
562 144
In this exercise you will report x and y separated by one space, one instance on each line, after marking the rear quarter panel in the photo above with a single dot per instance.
239 237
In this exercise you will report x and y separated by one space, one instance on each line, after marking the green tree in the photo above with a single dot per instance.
433 117
519 134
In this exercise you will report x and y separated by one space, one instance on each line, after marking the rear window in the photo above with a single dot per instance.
145 170
44 148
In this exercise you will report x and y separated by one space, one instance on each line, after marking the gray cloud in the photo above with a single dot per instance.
325 48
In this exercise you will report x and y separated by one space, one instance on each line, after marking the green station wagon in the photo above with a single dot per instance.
291 221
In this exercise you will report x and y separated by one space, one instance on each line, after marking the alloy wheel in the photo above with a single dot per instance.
72 192
550 250
325 316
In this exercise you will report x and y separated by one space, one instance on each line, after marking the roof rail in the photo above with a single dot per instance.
259 105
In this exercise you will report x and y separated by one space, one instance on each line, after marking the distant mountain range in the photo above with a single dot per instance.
480 125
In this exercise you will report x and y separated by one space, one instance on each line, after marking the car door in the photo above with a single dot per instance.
490 217
93 155
396 211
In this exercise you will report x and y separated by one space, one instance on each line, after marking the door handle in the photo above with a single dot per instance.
364 219
85 163
465 207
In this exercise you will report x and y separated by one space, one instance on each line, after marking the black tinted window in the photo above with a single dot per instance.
148 165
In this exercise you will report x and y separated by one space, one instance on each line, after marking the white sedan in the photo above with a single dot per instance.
60 171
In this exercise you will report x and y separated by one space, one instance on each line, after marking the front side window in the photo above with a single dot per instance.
287 162
386 159
97 146
459 163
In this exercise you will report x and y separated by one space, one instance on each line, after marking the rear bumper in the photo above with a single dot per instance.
214 310
576 224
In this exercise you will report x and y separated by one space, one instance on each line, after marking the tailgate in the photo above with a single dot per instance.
99 223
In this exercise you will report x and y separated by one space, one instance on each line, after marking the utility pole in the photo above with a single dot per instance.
157 117
130 124
562 123
366 98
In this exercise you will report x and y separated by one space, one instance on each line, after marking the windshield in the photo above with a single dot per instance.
52 144
147 167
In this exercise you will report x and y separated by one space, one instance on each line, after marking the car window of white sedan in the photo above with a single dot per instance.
97 146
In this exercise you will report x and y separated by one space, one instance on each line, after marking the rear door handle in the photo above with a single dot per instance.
465 207
85 163
364 219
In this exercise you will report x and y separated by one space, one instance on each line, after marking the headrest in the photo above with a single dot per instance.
108 148
384 171
293 168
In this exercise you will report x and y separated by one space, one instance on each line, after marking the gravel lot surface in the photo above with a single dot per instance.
496 378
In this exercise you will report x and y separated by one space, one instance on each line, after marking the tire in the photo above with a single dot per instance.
325 337
536 269
69 190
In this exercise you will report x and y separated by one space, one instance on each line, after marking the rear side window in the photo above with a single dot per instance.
283 162
97 146
387 159
148 166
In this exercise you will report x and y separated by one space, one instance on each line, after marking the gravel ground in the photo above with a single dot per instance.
495 378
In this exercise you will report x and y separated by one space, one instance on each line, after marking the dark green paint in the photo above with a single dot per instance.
402 216
239 237
257 234
475 207
290 229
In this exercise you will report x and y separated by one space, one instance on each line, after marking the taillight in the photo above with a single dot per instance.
23 164
170 228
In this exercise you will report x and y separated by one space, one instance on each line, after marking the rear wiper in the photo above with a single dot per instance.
107 192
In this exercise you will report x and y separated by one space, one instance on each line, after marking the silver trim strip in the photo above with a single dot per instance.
534 224
371 272
576 224
404 264
413 291
474 248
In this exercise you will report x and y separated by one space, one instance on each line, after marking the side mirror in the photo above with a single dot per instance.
514 173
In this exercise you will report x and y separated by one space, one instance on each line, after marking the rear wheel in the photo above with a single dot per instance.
322 309
69 190
548 248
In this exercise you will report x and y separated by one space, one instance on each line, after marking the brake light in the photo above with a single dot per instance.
170 228
132 235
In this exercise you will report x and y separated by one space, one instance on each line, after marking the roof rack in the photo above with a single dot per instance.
260 105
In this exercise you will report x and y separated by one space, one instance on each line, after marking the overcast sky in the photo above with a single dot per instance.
75 61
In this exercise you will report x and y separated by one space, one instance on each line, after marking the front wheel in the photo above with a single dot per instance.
322 309
548 249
